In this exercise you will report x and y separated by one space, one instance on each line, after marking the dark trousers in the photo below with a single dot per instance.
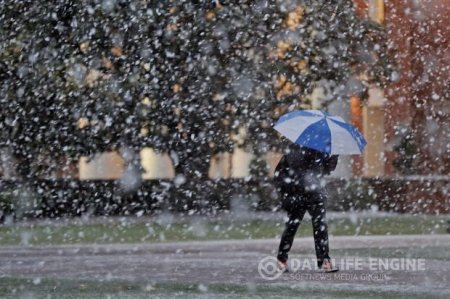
296 207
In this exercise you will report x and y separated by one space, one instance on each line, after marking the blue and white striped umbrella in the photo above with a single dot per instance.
321 131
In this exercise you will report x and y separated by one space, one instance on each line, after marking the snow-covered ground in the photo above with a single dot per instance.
228 262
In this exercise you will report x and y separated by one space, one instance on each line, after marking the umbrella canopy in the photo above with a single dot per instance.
321 131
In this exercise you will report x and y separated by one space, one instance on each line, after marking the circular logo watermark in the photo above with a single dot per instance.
268 268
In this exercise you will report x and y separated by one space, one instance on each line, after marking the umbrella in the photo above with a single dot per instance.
321 131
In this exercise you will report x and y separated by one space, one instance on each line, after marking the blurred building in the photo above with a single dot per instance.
408 124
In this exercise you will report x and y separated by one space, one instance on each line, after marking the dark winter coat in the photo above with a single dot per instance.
300 171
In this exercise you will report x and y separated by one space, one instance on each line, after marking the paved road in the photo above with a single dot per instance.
223 262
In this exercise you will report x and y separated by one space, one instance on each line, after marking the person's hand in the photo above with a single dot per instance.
331 164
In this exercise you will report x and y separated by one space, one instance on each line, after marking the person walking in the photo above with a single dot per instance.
318 138
298 178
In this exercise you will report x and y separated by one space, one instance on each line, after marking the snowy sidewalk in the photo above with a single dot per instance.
229 262
259 245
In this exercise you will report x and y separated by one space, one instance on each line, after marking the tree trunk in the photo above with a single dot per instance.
7 164
191 186
131 178
192 164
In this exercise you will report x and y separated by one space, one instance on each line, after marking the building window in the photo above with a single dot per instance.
376 10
